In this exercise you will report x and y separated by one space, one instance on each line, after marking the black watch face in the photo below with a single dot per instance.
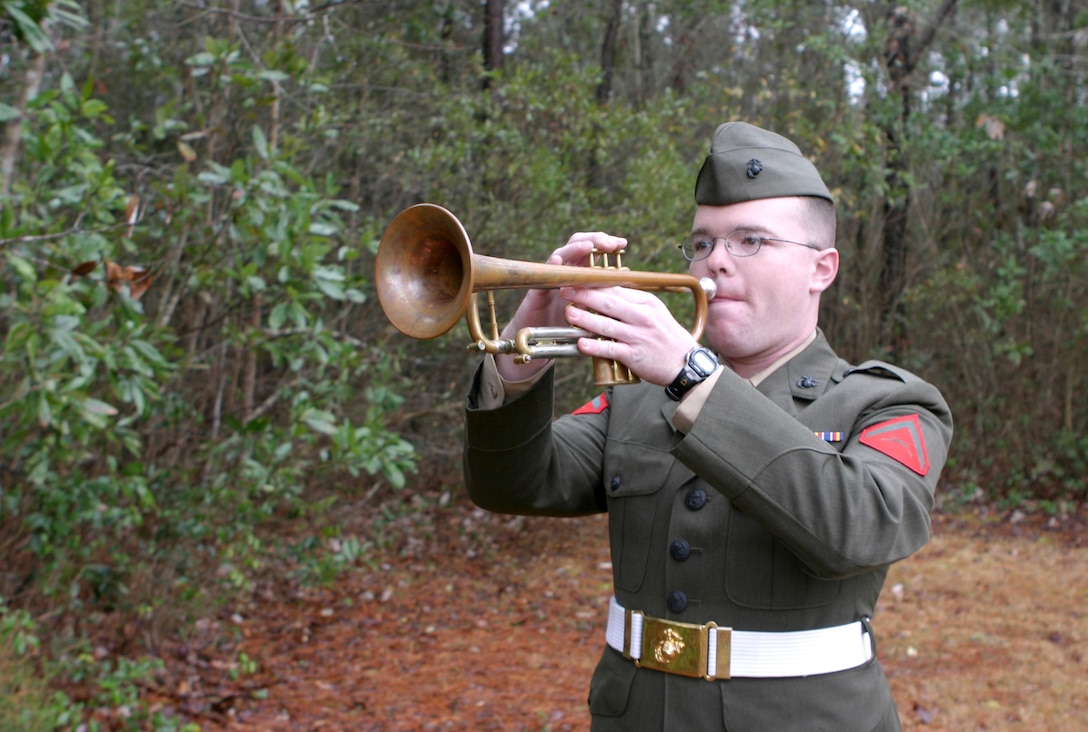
703 362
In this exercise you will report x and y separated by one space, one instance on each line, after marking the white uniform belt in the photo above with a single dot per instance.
712 652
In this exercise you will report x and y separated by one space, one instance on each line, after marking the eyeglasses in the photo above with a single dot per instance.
740 243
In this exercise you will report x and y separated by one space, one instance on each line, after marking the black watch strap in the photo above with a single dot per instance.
699 364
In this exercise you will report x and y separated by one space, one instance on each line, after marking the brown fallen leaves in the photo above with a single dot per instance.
483 622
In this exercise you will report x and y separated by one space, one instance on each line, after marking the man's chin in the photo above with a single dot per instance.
728 346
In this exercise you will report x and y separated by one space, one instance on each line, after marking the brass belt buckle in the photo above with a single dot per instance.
674 647
678 648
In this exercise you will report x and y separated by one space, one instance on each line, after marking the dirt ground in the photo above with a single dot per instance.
483 622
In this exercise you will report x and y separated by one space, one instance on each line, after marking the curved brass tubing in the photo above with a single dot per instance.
427 277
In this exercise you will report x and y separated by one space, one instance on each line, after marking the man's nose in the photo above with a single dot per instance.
720 259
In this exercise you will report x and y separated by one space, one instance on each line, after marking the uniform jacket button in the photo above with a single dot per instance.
680 550
677 601
617 481
695 499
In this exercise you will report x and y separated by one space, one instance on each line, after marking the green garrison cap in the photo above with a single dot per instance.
747 163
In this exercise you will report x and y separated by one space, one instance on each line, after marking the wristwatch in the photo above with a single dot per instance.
701 363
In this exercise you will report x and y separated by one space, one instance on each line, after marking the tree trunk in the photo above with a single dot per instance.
494 39
903 50
594 176
900 62
31 84
608 53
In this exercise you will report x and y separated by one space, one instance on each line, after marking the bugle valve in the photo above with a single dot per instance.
428 277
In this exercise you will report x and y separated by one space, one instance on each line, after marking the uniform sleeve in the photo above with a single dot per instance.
841 512
492 390
517 462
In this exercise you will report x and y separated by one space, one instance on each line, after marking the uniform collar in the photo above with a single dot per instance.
755 380
804 376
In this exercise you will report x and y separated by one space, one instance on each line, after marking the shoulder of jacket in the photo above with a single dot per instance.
881 369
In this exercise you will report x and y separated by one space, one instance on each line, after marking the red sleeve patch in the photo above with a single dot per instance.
900 439
594 406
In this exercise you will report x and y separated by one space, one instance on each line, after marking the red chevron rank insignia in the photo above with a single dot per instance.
900 439
594 406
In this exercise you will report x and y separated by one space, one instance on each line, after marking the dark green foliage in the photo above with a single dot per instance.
192 351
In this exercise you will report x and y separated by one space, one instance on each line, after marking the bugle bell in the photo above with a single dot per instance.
427 277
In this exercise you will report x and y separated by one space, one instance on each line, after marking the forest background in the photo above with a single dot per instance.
196 377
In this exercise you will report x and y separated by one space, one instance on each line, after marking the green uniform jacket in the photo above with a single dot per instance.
787 530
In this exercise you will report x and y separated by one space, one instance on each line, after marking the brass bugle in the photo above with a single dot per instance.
427 278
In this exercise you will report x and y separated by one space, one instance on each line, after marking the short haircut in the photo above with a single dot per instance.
820 220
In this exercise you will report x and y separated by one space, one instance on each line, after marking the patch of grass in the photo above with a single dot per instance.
27 704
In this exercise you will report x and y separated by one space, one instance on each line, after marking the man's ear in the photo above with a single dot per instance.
824 269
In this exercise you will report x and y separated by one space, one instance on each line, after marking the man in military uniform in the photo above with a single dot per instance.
757 490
